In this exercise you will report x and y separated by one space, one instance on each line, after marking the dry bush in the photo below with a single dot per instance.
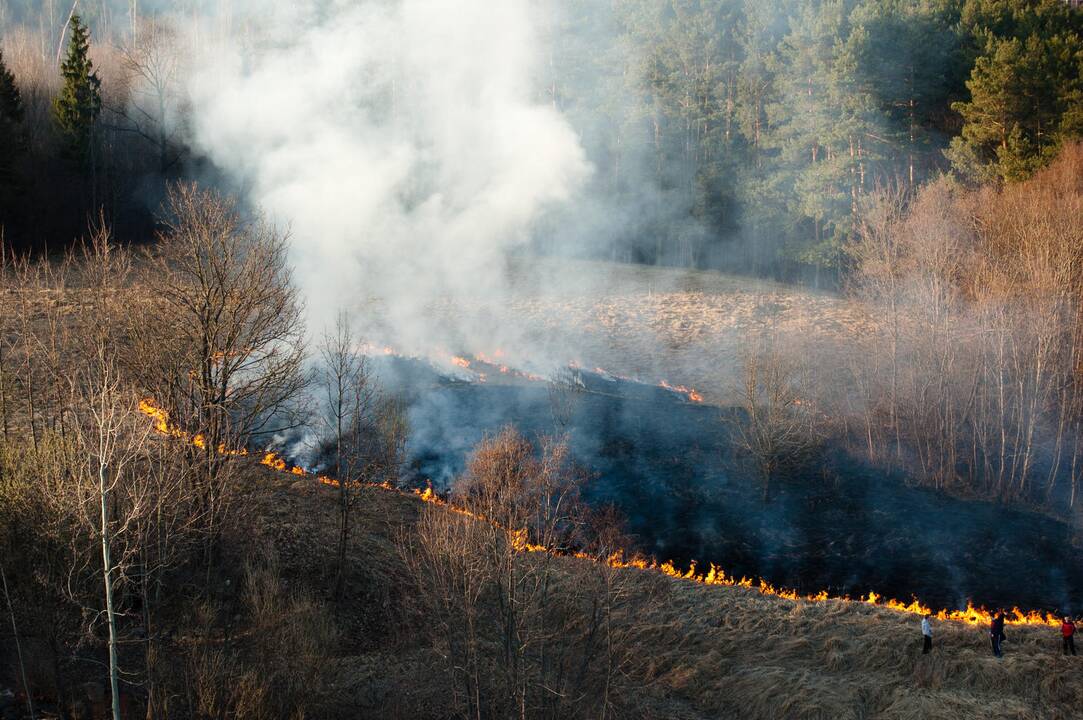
510 482
294 638
278 666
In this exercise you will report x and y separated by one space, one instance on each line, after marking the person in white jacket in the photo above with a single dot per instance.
926 634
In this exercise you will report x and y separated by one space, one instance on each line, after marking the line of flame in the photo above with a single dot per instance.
714 575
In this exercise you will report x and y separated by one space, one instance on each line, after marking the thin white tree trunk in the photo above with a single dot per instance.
103 474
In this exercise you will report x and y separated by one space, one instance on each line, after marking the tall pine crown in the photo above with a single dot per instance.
79 102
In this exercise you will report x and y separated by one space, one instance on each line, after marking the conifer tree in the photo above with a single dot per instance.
79 102
11 130
11 104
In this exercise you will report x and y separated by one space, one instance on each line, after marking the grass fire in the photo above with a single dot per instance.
541 359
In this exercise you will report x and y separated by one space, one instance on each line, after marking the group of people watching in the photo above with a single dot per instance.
997 636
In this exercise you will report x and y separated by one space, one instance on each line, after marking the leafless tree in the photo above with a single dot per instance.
777 430
219 344
152 62
882 257
112 437
349 413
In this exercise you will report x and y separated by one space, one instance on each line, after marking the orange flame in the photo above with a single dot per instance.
714 576
497 361
162 424
688 392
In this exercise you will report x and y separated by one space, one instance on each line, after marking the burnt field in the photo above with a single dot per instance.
669 466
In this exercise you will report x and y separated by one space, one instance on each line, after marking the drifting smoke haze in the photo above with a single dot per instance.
401 143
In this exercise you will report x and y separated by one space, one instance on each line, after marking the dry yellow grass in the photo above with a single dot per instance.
707 652
650 323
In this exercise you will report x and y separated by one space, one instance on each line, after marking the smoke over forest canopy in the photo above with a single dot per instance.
419 152
718 133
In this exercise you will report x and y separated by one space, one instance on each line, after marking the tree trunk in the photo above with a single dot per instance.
18 646
103 474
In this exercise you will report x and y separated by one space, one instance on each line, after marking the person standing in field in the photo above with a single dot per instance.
996 633
1067 633
926 634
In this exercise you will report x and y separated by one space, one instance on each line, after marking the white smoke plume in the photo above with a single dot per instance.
403 144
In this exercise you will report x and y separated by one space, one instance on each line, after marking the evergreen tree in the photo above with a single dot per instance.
1026 88
11 130
11 104
821 127
79 102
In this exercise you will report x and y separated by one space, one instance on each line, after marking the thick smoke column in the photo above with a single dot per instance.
401 143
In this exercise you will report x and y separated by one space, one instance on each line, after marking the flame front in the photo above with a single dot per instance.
688 392
162 424
714 575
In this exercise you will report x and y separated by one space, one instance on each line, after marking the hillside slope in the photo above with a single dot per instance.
700 652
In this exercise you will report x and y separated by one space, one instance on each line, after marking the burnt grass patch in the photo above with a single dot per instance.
670 467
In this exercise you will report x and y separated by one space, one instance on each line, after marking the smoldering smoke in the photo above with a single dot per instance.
401 142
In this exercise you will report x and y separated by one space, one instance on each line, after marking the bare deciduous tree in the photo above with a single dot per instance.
777 431
152 61
112 437
349 412
221 343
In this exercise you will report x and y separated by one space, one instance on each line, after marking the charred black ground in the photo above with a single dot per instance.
670 467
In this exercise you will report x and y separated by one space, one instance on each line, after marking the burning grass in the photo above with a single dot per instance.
711 576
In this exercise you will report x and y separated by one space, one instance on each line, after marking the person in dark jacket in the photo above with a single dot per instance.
996 633
1067 633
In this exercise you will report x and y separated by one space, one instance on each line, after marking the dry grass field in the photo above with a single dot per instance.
653 323
699 652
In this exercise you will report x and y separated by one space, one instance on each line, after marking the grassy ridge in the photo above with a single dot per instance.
704 651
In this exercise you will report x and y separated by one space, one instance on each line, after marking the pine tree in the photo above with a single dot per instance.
11 129
79 102
1026 88
11 104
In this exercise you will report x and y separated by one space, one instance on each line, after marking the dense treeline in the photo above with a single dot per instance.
761 126
90 123
735 134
